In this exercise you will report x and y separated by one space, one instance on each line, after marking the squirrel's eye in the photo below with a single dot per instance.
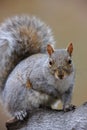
69 61
50 62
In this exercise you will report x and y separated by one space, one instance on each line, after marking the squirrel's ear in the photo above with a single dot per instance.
50 49
70 49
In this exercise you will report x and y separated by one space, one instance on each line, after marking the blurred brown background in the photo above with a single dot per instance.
68 19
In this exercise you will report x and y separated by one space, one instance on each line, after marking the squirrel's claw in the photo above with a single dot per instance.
17 121
21 115
69 108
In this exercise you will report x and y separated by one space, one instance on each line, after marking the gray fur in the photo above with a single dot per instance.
45 88
21 37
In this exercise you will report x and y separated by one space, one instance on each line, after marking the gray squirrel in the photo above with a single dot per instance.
32 72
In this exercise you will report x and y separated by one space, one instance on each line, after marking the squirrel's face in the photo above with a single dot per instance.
60 61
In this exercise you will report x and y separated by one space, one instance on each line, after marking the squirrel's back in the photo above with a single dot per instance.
20 37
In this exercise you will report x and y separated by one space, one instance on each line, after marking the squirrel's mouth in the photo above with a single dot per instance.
60 76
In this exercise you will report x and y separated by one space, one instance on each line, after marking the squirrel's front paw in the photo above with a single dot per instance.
15 122
20 115
69 108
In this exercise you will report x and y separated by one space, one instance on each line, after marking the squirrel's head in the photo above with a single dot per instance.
60 61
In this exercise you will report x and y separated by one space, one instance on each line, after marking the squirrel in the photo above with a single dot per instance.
32 72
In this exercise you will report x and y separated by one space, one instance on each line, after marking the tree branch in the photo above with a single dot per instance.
46 119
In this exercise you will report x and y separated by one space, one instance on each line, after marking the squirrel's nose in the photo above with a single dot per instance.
60 72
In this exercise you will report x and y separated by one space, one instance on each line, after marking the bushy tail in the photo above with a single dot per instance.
20 37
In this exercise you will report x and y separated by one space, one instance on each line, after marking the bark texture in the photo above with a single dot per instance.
46 119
